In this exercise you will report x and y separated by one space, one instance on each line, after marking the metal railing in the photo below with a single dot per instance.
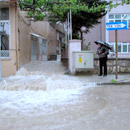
5 54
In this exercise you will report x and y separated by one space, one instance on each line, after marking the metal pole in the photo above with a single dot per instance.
116 54
66 40
68 28
70 24
81 40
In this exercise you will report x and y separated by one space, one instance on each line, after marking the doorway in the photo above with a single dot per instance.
33 48
42 49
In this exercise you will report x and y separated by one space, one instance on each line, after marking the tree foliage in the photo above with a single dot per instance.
84 12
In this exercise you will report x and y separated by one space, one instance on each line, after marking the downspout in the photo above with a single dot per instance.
16 35
37 48
0 57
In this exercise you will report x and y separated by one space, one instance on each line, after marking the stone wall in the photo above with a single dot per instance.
123 65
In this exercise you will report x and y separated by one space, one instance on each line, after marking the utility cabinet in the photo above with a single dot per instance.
83 60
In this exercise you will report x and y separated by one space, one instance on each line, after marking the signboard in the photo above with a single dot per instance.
80 56
116 26
80 59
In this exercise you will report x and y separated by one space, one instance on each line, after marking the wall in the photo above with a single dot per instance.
120 9
52 41
24 45
94 34
9 65
122 35
21 42
44 29
99 31
123 66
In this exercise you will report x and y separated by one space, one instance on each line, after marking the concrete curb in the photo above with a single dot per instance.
107 83
117 83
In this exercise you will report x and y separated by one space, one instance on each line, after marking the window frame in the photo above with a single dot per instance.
9 22
120 43
120 19
123 47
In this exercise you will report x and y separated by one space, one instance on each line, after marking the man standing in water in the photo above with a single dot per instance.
102 52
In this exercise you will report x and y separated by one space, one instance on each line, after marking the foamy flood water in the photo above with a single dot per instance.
61 102
38 102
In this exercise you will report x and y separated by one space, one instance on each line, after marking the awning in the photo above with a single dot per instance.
36 35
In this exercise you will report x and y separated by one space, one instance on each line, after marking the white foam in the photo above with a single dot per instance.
26 93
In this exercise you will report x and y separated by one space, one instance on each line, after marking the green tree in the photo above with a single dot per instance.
84 12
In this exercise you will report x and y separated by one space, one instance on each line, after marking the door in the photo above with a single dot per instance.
88 60
42 49
33 48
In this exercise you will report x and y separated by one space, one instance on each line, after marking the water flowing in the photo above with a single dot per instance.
36 100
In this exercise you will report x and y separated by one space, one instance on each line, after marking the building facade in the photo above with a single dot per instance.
118 14
23 41
99 32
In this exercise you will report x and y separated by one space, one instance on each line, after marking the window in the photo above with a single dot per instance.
111 21
117 16
124 16
4 13
4 26
120 18
124 48
128 23
129 48
112 46
117 20
4 32
119 47
111 16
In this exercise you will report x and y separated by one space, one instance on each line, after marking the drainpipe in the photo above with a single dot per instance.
37 48
0 56
16 35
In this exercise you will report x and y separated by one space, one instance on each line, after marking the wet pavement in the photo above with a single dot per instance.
41 97
54 67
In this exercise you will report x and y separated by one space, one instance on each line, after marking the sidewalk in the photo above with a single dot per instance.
110 79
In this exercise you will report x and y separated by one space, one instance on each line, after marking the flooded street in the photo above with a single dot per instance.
39 101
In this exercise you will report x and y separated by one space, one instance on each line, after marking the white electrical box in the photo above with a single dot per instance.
83 60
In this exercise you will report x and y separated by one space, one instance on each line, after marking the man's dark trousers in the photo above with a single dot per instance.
103 63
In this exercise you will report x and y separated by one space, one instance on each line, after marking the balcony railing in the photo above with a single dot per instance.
5 54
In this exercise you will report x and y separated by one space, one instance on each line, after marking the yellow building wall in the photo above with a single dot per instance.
24 45
52 41
8 66
48 32
20 49
42 28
